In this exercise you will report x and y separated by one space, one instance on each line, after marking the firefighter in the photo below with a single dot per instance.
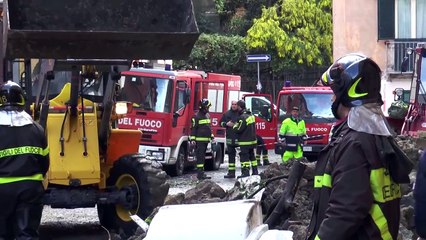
201 135
420 198
261 152
24 161
265 113
293 132
246 135
355 193
229 118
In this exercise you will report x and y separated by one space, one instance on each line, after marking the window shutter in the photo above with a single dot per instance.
386 19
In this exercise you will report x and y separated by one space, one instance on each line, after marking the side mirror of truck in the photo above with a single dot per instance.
404 65
187 95
398 92
175 117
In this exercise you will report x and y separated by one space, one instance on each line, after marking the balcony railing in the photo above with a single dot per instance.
396 51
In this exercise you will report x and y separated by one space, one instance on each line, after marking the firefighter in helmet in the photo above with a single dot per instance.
24 161
293 133
356 196
201 135
246 135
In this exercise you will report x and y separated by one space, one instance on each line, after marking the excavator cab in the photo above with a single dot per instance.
81 47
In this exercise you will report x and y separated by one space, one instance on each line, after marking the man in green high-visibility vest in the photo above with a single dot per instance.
24 161
293 132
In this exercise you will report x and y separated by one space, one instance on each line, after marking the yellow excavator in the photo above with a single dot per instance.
67 56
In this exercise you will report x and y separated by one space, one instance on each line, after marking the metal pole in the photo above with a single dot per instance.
258 78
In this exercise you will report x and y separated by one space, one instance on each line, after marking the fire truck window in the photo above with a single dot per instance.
317 110
149 94
160 96
180 96
133 91
216 96
197 95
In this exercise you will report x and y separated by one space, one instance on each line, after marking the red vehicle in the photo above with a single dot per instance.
266 124
164 102
315 108
415 118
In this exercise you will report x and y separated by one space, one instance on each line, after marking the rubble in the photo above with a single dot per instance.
208 191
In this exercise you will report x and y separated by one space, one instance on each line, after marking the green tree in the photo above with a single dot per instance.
217 53
298 32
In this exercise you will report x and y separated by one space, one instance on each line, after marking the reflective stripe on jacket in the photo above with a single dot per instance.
201 128
291 127
354 195
24 154
246 130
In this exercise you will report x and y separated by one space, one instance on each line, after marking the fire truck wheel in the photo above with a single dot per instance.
144 181
216 160
178 168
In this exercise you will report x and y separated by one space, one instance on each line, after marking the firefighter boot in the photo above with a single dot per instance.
245 172
266 162
230 174
254 171
201 175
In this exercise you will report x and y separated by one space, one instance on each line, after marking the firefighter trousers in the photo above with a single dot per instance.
20 210
247 157
232 153
200 153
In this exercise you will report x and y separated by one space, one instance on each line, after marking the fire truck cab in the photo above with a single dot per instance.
164 102
314 107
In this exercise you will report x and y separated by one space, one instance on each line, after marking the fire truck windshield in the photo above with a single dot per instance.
314 107
147 93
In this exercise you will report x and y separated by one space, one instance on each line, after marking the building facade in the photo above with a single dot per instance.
382 30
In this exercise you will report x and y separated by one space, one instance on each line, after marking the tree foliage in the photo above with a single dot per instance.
218 53
237 15
299 31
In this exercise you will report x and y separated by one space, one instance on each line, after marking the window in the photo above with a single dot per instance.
180 96
410 18
402 19
147 93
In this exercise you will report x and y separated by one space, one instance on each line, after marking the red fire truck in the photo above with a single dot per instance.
164 102
314 104
262 108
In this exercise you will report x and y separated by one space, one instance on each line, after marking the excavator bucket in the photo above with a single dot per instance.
99 29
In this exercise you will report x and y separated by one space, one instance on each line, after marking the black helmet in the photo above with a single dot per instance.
355 80
241 104
205 104
11 96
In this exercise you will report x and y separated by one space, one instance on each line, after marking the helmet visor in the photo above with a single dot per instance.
349 64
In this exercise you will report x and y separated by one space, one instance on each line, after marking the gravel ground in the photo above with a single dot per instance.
66 221
177 185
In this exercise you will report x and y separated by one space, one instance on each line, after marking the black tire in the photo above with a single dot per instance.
215 161
178 168
151 189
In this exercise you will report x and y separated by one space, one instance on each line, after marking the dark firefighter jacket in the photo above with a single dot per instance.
246 130
354 196
200 128
420 197
24 154
232 116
